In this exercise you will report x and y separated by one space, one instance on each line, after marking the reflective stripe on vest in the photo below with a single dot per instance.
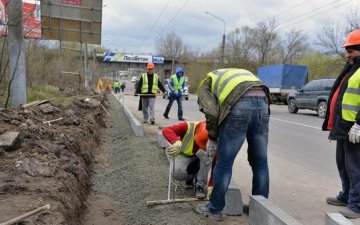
351 100
145 84
225 80
177 83
187 143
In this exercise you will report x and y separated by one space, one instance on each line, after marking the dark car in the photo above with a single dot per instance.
313 95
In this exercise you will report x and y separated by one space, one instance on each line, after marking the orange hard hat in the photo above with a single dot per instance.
352 39
150 66
201 135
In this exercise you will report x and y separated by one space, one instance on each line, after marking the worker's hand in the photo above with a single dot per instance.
354 134
211 148
174 149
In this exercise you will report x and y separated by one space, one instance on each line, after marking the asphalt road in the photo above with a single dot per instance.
301 159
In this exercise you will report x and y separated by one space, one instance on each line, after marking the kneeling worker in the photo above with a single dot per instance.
188 143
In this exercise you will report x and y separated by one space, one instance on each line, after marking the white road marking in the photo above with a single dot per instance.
304 125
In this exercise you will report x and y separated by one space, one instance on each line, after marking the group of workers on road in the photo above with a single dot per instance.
237 108
149 85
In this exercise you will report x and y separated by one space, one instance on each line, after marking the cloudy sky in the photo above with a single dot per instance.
133 26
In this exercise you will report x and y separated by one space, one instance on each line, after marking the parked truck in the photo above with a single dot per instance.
283 79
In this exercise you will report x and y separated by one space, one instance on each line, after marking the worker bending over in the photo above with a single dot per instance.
188 143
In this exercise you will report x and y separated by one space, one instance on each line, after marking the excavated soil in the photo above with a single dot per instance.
49 163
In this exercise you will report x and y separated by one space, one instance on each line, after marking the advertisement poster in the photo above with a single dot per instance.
31 18
122 57
3 18
72 2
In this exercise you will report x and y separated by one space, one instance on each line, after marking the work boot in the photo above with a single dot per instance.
203 209
189 184
335 201
182 119
152 122
348 213
145 121
200 192
166 116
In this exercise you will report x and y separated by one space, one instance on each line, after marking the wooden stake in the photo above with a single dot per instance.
104 109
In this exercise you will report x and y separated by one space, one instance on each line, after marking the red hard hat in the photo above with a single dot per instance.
352 39
150 66
201 135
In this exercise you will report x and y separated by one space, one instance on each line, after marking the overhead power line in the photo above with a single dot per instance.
290 9
309 12
337 6
172 19
152 27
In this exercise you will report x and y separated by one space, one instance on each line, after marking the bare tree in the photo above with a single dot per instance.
294 46
265 40
331 39
170 46
353 20
240 46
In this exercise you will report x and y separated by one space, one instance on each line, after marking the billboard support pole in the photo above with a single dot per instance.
86 66
16 53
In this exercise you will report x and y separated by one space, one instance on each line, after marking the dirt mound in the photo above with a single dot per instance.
48 162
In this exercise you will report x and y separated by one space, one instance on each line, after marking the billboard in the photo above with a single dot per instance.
123 57
31 18
72 20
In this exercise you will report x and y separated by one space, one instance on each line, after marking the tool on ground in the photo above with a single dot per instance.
19 218
203 156
177 200
173 180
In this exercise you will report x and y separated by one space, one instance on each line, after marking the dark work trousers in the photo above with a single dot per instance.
348 163
179 102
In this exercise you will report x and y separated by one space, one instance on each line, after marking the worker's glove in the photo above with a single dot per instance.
174 149
211 148
135 94
354 134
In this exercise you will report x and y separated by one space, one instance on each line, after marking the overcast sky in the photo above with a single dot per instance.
133 26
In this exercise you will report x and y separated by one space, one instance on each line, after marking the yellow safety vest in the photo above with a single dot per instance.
225 80
351 100
145 84
187 143
177 83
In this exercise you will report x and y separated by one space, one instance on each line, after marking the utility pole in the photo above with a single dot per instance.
16 53
222 59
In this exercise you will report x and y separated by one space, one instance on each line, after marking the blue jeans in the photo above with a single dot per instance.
179 102
248 118
348 163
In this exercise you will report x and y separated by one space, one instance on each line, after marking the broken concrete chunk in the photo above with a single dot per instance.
34 168
9 139
47 108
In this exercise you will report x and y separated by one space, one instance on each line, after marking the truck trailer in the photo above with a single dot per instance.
283 79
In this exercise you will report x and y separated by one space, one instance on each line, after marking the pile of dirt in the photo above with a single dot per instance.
50 159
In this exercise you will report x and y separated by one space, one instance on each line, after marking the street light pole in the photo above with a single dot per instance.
223 40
